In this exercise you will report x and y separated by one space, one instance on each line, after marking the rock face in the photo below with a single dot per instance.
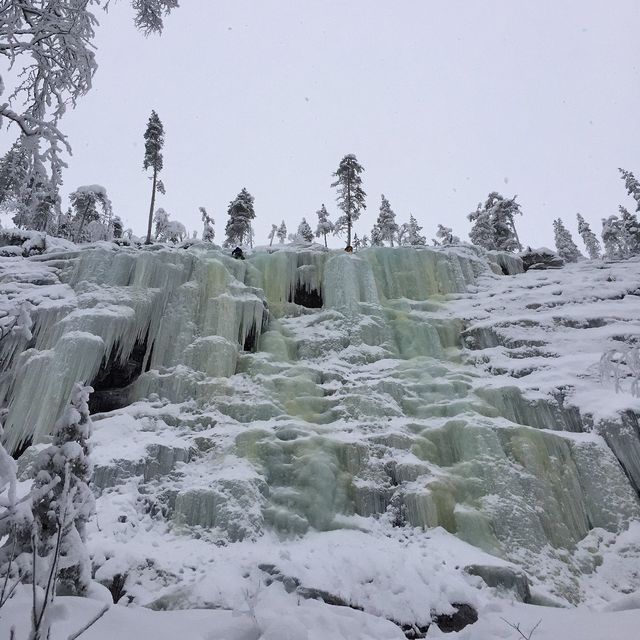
299 394
539 259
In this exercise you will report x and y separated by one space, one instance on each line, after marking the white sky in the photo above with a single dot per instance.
441 101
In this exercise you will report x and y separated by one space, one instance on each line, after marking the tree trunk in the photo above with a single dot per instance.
82 219
348 212
153 202
325 241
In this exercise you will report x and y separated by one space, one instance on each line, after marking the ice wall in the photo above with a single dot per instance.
337 384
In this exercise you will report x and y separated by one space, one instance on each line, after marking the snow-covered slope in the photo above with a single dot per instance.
401 431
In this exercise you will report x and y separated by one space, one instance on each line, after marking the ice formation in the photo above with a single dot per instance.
304 391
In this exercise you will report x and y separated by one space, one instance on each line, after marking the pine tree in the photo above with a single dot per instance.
304 231
90 204
356 242
350 194
589 238
565 245
208 233
445 236
282 232
66 507
238 230
413 237
272 234
325 226
364 241
387 221
376 236
153 143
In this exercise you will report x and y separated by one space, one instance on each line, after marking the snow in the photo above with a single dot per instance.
433 415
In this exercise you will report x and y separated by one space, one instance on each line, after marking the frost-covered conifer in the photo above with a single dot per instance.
168 230
153 143
376 237
589 238
208 232
445 236
630 232
350 194
387 221
632 185
612 238
413 237
238 230
481 233
356 242
272 233
90 204
565 245
325 226
494 224
282 232
304 231
69 503
364 241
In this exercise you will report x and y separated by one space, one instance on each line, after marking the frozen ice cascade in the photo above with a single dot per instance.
312 399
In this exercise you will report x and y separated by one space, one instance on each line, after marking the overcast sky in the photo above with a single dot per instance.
442 102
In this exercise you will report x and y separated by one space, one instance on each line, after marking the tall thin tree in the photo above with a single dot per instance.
153 143
350 194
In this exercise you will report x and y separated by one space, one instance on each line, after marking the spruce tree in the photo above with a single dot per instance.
241 213
494 224
630 231
376 236
632 185
325 226
153 143
62 510
282 232
387 221
613 238
350 194
304 231
589 238
565 245
413 236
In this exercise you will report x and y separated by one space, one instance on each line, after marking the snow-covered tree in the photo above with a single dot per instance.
238 230
630 231
412 236
153 143
364 241
168 230
325 226
376 237
90 204
68 505
49 46
117 226
565 245
356 242
386 222
444 236
613 238
494 223
25 191
632 186
350 194
304 231
272 234
208 232
589 238
282 232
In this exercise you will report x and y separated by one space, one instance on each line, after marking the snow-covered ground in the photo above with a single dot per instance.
433 435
